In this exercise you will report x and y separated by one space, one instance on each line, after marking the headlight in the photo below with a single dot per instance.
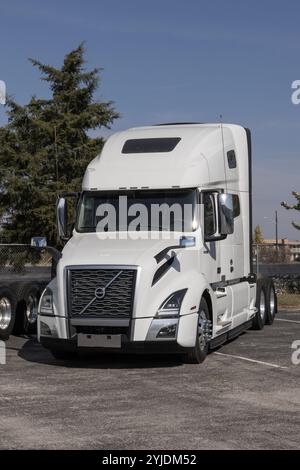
46 302
170 308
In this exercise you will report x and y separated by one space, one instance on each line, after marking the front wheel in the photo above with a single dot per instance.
199 352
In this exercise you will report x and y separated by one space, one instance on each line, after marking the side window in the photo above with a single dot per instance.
86 215
209 215
236 206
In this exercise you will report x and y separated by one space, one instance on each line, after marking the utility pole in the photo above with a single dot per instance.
276 228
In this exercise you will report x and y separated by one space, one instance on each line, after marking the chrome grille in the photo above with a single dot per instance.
101 292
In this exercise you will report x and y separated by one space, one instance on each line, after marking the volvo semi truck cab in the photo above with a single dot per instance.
159 256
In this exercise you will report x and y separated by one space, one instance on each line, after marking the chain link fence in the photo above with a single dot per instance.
24 263
281 262
18 258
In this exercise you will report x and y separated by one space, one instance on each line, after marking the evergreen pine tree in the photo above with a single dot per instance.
46 146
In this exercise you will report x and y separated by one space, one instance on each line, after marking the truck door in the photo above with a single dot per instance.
210 255
232 260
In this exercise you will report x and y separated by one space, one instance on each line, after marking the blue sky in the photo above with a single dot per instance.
173 60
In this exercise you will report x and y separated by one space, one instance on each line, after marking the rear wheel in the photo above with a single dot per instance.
271 302
261 305
7 312
199 353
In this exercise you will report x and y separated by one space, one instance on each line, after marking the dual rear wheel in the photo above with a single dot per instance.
266 304
18 309
7 312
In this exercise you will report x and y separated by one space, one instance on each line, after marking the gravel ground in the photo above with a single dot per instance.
246 395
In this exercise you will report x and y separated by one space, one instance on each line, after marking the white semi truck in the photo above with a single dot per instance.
131 280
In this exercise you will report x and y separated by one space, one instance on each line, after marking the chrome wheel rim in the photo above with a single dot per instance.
32 309
5 313
272 302
201 322
262 305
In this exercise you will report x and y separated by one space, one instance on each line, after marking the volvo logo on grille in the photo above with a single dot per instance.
100 292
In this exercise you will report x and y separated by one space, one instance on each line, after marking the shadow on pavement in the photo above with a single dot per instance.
32 351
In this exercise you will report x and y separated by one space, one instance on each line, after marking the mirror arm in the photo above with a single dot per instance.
56 255
185 242
64 239
215 238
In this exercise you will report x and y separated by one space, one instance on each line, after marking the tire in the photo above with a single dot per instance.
60 354
271 302
8 303
261 305
199 352
27 308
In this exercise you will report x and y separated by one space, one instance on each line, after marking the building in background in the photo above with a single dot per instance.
286 250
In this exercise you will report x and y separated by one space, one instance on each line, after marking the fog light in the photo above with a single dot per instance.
167 332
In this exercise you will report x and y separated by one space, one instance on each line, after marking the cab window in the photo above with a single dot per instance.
209 215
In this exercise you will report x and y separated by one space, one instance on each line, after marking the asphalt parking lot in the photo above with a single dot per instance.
246 395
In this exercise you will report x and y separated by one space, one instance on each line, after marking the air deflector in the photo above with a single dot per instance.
152 145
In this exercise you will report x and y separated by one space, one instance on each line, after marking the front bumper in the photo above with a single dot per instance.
141 335
141 347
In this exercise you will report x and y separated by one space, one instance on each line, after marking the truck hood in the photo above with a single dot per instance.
90 249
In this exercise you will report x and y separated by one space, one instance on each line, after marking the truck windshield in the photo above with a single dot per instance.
138 210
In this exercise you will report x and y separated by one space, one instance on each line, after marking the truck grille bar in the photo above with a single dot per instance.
106 292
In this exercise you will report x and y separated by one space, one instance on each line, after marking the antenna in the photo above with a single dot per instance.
223 146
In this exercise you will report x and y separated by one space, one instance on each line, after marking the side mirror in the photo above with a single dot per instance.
64 225
62 218
187 242
226 214
39 242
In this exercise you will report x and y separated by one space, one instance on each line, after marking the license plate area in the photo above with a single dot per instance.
98 341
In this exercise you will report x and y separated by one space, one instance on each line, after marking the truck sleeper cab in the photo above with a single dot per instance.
159 258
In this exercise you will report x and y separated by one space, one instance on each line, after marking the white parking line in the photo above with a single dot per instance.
290 321
252 360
